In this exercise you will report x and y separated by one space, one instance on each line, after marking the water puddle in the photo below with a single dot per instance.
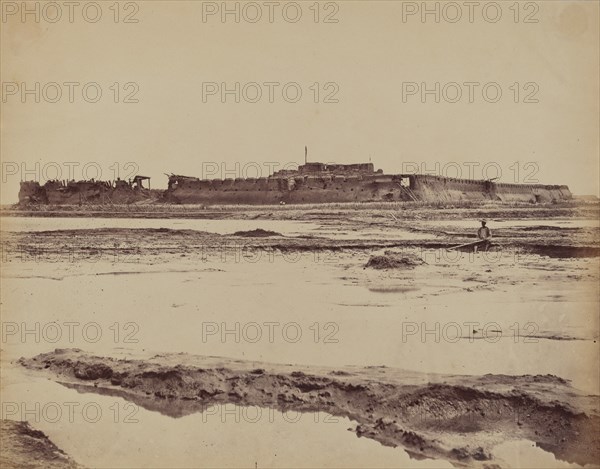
392 289
525 454
396 233
285 227
107 431
223 227
241 313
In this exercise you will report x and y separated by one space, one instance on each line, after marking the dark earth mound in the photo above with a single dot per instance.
257 233
394 260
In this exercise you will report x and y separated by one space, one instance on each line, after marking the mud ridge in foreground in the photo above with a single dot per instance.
457 418
24 447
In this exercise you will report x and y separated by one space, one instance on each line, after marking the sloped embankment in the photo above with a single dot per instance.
458 418
24 447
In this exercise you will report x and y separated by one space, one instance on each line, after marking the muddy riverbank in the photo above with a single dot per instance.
457 356
553 241
25 447
457 418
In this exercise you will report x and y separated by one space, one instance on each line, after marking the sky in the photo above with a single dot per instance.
188 91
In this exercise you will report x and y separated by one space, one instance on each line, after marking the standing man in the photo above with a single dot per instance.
485 235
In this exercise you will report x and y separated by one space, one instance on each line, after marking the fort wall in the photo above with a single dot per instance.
312 183
300 189
80 192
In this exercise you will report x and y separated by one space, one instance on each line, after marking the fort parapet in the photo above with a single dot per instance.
325 183
63 192
312 183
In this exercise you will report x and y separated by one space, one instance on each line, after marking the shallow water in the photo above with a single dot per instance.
306 308
524 454
308 312
109 432
372 234
285 227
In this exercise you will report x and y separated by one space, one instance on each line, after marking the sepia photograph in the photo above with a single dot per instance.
299 234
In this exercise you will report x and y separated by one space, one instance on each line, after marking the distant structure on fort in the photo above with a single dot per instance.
311 183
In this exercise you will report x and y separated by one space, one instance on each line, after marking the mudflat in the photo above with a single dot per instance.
447 354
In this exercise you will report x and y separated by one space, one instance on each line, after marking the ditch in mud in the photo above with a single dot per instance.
456 418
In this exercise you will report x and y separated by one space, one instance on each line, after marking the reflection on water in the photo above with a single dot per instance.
524 454
336 321
106 431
